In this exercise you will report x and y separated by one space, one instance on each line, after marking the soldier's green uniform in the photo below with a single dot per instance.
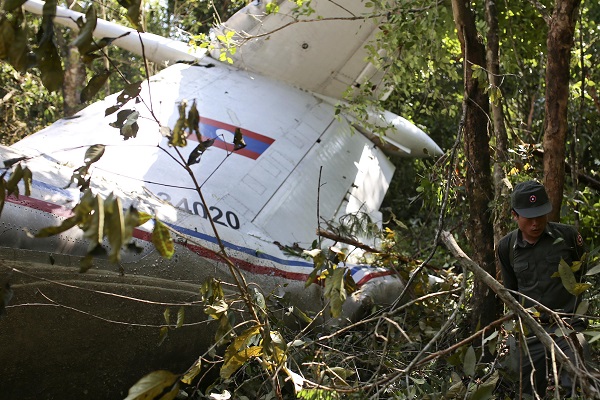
529 268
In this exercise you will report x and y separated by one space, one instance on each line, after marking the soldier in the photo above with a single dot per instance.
529 258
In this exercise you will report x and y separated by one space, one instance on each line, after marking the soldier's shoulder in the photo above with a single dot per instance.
567 231
504 242
563 228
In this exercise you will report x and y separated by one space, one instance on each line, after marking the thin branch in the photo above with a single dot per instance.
465 341
112 321
199 303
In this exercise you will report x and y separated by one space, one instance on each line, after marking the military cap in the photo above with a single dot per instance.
530 200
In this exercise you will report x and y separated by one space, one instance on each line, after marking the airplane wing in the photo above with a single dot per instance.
323 52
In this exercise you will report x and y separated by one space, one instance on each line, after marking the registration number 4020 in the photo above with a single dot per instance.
225 218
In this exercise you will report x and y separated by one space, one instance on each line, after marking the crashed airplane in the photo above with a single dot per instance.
68 334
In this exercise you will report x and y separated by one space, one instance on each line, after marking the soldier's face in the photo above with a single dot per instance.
531 228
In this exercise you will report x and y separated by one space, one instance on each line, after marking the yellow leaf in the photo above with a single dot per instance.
566 275
192 372
579 288
143 218
161 238
115 227
242 340
151 386
235 361
215 310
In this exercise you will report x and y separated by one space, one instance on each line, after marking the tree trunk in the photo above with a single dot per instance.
501 186
559 44
478 176
74 82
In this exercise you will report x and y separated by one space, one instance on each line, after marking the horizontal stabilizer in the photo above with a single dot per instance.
323 52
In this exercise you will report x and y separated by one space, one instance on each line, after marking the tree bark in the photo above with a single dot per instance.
478 182
74 82
559 44
501 186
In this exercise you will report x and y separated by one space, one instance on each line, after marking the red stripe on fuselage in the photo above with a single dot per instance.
203 252
245 265
41 205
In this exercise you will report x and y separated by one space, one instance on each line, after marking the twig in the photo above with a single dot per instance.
199 303
466 340
112 321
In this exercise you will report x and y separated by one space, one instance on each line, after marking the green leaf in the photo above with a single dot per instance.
242 341
212 290
156 385
579 288
94 86
486 389
94 153
96 45
86 263
13 45
594 334
6 34
130 91
301 315
163 333
195 154
193 121
594 271
50 66
469 362
27 180
178 135
13 182
133 12
582 308
12 161
47 57
180 317
2 194
54 230
84 39
335 291
569 281
127 123
143 218
94 226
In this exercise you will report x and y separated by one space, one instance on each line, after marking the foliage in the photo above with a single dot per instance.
24 108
